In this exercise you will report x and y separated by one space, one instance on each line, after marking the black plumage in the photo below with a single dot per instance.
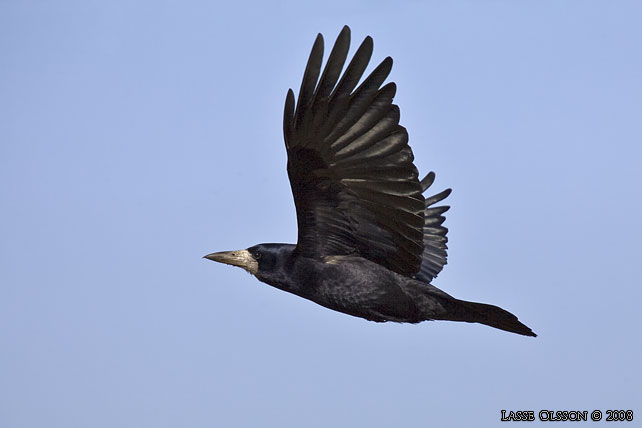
369 243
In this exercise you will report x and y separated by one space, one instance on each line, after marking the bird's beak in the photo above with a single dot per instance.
240 258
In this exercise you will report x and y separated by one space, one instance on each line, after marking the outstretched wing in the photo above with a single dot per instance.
351 170
435 249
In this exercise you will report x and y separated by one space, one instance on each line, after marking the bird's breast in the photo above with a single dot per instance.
358 287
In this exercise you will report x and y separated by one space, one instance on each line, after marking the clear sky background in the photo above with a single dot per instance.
135 137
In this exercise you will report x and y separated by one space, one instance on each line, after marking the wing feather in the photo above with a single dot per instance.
355 186
435 254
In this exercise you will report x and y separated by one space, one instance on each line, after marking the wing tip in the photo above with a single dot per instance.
427 181
367 44
288 116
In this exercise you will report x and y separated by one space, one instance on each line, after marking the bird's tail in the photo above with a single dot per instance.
461 310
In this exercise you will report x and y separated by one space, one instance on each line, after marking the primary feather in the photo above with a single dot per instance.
351 170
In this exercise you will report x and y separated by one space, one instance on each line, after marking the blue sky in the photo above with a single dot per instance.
135 137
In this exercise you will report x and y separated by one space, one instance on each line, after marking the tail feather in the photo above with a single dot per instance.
493 316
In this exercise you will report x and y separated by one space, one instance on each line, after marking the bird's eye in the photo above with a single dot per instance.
257 255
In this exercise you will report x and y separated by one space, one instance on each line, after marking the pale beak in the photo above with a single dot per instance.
240 258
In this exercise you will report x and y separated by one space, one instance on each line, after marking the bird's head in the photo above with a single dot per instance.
258 260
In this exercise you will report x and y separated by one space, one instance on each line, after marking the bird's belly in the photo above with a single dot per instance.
362 289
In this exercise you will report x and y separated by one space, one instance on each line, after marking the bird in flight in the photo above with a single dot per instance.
369 242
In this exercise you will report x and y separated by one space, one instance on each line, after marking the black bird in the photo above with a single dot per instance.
369 243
